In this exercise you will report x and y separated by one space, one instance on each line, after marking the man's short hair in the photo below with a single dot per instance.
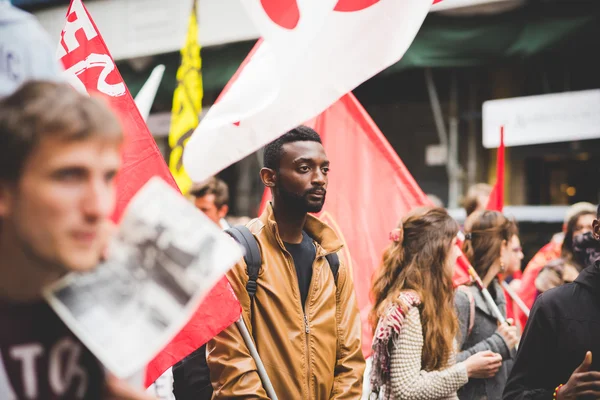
39 109
274 150
471 200
212 186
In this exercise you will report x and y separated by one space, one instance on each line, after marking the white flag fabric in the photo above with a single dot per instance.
314 52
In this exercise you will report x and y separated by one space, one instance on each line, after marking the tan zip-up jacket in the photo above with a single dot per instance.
311 354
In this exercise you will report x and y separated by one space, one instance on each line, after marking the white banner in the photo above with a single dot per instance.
558 117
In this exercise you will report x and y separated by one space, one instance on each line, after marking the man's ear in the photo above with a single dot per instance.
268 177
596 229
222 212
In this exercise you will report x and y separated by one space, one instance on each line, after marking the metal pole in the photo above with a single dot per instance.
438 118
516 298
472 140
262 372
455 187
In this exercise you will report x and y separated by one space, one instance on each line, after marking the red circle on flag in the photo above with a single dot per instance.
354 5
284 13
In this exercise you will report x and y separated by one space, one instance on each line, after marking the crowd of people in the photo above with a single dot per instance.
59 155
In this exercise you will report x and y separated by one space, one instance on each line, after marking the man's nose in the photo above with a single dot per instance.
319 178
99 200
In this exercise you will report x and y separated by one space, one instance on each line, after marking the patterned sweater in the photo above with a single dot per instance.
408 380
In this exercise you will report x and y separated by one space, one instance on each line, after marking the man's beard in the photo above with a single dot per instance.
301 202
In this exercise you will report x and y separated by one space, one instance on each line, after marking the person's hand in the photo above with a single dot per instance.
510 333
117 389
484 364
582 383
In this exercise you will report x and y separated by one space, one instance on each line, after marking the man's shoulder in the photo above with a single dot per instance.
557 301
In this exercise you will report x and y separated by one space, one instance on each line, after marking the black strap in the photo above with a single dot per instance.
253 260
334 264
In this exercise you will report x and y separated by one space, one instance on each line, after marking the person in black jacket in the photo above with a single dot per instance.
559 355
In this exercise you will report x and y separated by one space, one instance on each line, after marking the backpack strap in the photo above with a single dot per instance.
334 264
466 291
252 256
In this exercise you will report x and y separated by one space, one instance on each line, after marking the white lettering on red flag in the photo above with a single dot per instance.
89 67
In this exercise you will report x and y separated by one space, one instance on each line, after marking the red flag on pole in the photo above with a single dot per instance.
496 201
90 67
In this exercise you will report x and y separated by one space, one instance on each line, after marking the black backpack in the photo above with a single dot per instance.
191 376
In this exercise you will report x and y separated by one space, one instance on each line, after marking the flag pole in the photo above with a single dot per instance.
516 298
262 372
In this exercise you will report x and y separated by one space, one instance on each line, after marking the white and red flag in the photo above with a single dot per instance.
90 68
313 53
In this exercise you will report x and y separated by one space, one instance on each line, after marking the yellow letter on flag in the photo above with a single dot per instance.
187 103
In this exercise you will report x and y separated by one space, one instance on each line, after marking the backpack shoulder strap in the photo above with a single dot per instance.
252 256
334 263
466 291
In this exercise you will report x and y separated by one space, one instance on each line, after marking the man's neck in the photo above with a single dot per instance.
21 278
290 223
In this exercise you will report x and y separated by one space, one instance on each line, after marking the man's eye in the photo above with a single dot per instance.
110 176
69 175
304 168
325 170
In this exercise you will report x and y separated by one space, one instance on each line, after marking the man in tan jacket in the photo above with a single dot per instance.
304 321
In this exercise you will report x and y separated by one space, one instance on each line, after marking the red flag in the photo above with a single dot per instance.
90 67
216 312
496 201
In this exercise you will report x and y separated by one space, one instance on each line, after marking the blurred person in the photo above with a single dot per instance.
304 319
477 198
212 198
560 339
415 325
513 270
26 51
59 154
489 235
577 221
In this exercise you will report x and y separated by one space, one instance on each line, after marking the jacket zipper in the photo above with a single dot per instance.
304 312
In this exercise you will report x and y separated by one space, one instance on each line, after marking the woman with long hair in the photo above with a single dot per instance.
490 238
413 314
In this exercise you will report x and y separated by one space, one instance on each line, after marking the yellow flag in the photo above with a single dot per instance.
187 103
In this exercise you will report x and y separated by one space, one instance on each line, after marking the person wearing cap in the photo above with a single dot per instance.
26 51
578 220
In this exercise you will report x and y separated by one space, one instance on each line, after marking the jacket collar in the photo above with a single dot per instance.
326 238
